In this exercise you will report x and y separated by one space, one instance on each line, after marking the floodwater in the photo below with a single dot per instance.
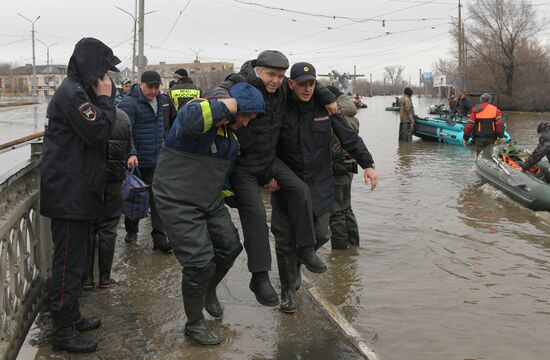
448 268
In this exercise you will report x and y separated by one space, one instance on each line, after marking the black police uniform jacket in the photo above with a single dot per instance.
304 145
74 159
258 140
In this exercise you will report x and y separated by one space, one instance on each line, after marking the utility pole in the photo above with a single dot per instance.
47 50
370 81
141 34
34 95
460 48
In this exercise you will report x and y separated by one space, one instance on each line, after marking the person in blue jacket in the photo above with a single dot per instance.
193 167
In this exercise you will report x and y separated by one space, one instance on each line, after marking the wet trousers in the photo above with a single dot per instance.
285 239
71 241
343 225
246 186
104 232
406 131
132 226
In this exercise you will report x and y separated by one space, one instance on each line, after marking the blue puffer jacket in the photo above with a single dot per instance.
147 128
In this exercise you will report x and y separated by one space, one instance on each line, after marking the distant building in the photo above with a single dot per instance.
204 75
18 81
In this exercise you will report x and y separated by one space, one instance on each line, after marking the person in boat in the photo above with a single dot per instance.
485 125
463 106
257 166
406 114
79 119
542 149
204 240
343 224
304 145
396 102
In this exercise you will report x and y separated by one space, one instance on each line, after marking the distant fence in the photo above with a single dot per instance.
25 253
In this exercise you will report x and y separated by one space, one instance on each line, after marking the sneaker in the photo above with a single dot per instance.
106 283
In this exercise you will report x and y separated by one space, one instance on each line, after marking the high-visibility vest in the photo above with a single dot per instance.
181 97
485 120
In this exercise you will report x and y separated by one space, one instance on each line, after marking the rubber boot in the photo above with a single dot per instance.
196 326
81 323
298 275
211 302
105 254
287 275
308 256
65 337
262 288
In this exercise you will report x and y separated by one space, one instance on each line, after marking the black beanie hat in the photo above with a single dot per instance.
334 90
543 127
408 91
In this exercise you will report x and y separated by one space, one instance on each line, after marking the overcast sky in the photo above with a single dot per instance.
367 33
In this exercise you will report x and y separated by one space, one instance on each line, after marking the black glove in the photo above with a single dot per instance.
231 201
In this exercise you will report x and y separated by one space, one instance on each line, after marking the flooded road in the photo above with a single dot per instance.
448 268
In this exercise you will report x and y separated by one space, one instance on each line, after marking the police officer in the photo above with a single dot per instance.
485 125
304 145
204 240
183 89
78 122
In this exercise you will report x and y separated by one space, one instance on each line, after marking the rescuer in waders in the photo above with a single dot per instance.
79 119
485 125
191 174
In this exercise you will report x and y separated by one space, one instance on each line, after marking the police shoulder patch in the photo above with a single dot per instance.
87 111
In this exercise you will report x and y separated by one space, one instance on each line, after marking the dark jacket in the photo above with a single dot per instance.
304 145
119 146
542 150
348 111
147 127
197 133
183 92
258 141
77 127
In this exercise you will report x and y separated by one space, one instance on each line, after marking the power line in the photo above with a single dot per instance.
175 22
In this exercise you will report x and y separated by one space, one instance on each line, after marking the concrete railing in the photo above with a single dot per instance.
25 253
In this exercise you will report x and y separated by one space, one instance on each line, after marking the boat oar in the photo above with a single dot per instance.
511 178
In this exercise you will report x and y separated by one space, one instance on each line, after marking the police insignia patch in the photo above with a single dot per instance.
87 111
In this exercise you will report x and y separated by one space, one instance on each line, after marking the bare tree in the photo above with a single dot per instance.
394 73
498 30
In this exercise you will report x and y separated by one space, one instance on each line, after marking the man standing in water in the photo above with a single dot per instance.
406 114
485 125
202 147
79 119
304 145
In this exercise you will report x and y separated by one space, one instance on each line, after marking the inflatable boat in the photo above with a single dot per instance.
444 129
499 166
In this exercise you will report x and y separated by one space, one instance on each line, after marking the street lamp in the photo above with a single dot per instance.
47 50
135 18
34 100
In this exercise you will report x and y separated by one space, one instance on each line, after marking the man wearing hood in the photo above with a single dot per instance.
406 114
79 119
542 149
257 165
202 142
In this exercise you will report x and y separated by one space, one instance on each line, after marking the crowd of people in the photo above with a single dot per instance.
258 129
